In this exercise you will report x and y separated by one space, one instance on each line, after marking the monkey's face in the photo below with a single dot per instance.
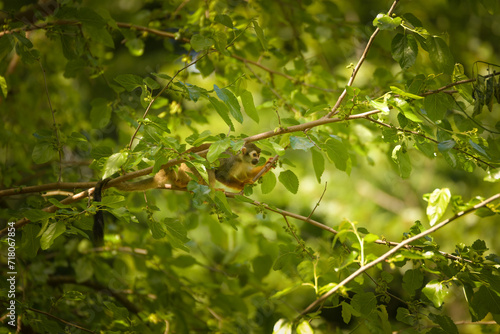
254 155
250 156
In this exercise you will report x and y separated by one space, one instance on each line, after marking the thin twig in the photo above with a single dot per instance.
428 138
456 83
271 71
46 187
358 65
319 201
394 250
56 129
161 92
61 320
269 165
278 95
299 242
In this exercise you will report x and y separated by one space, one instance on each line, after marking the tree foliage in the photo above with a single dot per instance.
379 217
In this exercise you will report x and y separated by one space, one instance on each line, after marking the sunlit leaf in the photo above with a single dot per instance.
437 204
436 292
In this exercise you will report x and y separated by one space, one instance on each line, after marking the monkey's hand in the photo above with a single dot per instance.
272 162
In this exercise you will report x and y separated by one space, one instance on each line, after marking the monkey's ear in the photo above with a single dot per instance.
244 150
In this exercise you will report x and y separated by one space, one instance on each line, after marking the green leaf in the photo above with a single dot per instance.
59 204
260 34
3 86
446 145
479 149
484 301
224 20
23 40
113 202
282 326
402 160
98 33
220 40
301 143
201 43
287 257
289 180
151 83
100 114
405 316
217 148
412 281
337 152
262 265
386 22
440 54
30 243
436 105
382 106
445 322
304 328
319 107
407 110
194 92
135 46
222 110
492 6
176 233
365 303
435 291
114 163
157 230
318 163
51 233
401 92
129 81
37 215
43 152
119 313
404 50
437 204
84 269
249 106
231 101
465 90
268 183
73 295
348 311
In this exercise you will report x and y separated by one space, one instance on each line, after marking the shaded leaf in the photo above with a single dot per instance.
440 54
289 180
404 50
231 101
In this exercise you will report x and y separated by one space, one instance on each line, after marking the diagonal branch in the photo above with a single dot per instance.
405 243
358 65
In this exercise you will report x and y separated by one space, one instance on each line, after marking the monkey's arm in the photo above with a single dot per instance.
238 180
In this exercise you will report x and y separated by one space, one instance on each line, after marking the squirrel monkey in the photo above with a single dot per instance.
234 171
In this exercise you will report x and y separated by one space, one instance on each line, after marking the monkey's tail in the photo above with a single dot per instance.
98 228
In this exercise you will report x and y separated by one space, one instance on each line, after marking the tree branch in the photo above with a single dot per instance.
46 187
394 250
61 320
429 139
358 66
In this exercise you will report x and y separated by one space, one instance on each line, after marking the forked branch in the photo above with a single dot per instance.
385 256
